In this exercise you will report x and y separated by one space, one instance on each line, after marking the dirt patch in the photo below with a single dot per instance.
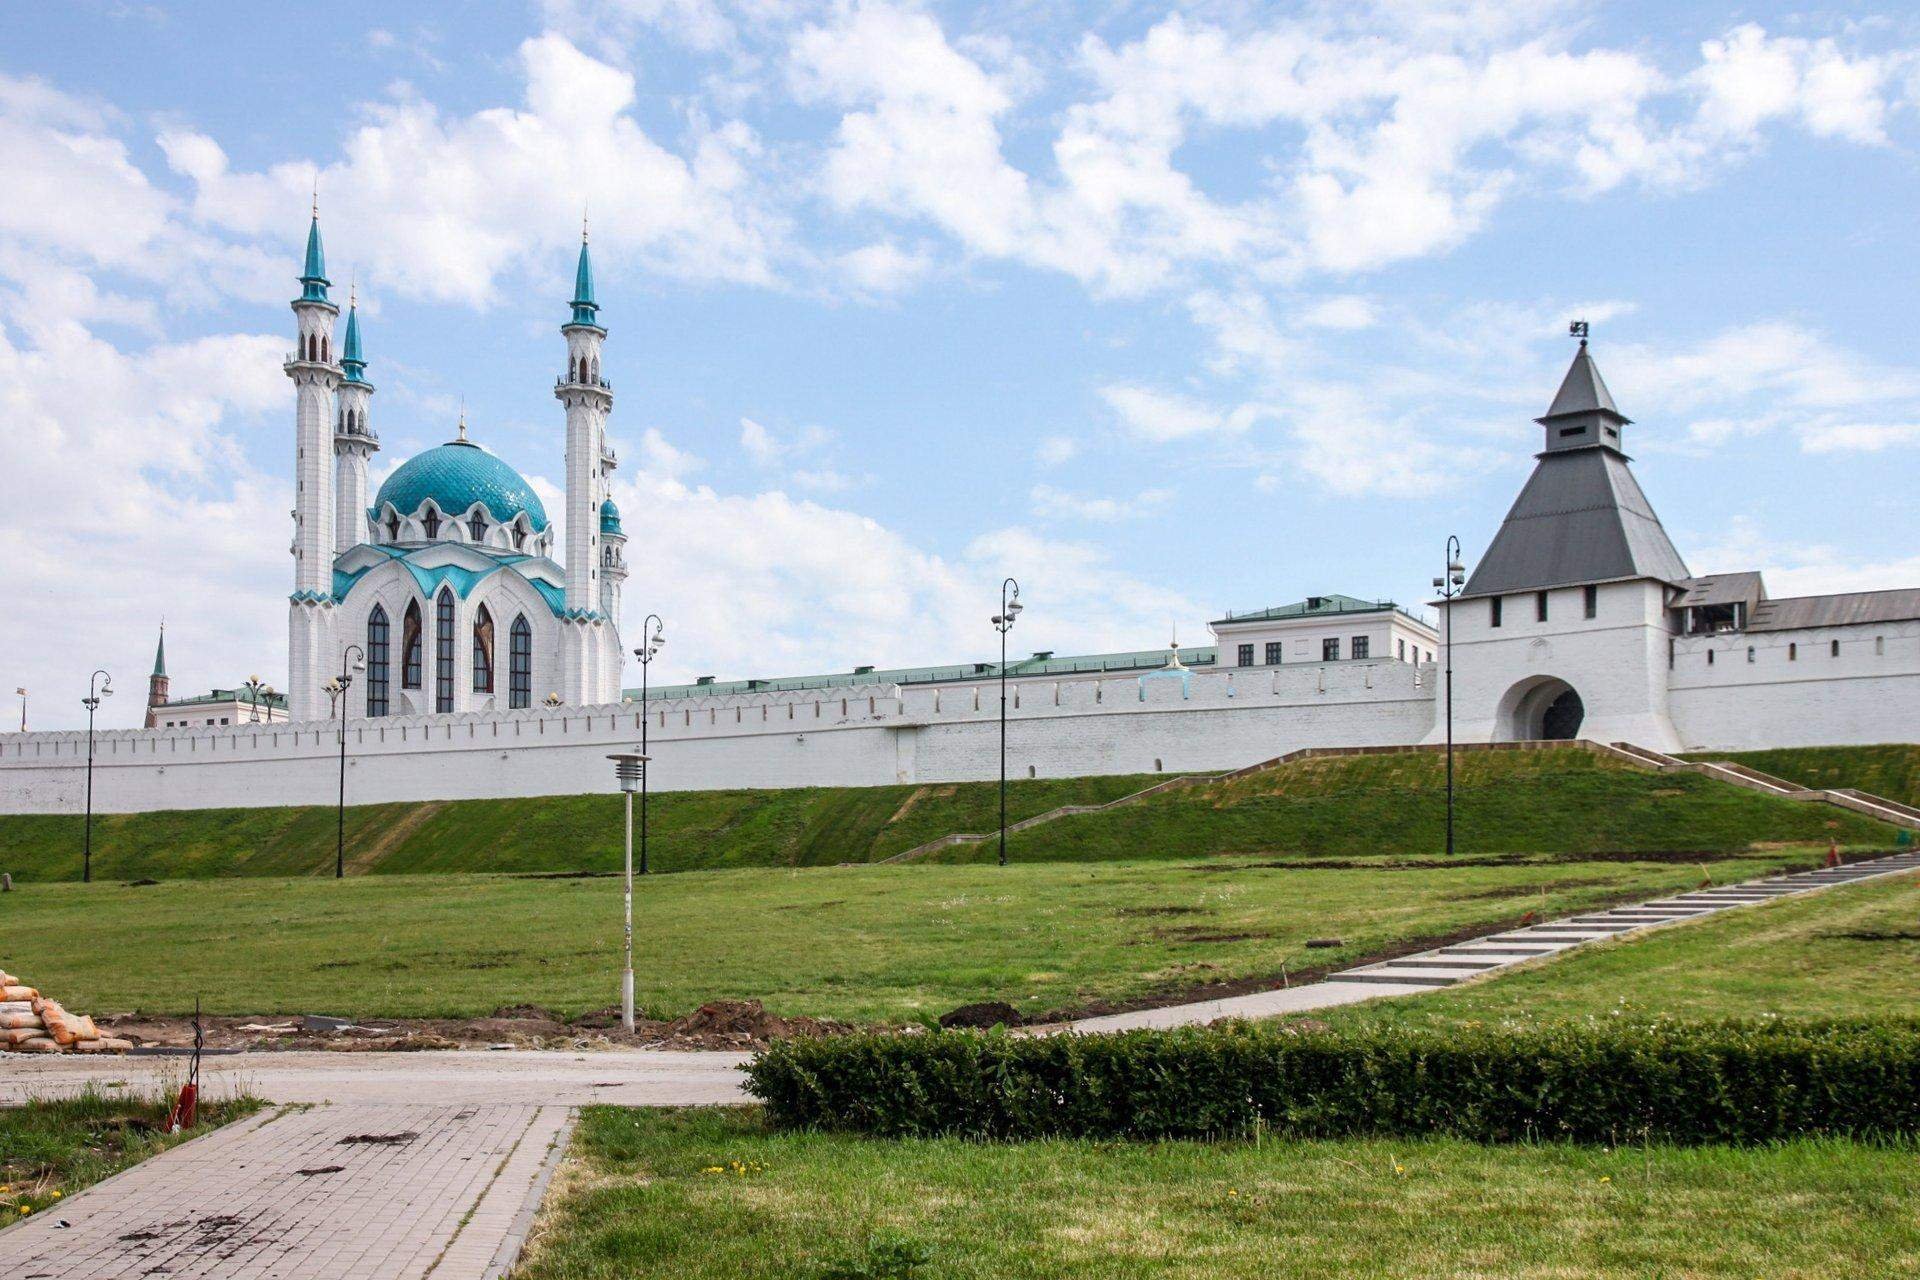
566 875
369 852
1139 913
986 1013
1907 935
374 1140
1517 891
813 906
1204 933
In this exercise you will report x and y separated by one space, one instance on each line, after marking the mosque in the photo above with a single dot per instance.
442 595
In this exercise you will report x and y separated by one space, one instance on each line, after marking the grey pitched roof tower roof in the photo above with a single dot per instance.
1581 517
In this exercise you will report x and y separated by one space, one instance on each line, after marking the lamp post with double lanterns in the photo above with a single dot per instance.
256 687
1010 607
630 768
99 685
352 660
1449 586
653 634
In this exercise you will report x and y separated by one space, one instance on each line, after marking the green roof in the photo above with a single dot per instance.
1313 607
584 307
277 701
350 358
313 274
1040 664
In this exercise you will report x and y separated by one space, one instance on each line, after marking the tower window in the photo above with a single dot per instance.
1493 619
1749 653
377 662
1590 600
1330 649
1246 655
1834 649
519 537
1709 657
430 523
520 663
1273 653
483 652
410 644
393 528
1793 653
477 526
1361 646
443 651
1539 606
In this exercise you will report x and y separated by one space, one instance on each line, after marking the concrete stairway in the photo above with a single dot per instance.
1444 966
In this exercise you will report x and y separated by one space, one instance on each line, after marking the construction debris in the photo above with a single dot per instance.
32 1023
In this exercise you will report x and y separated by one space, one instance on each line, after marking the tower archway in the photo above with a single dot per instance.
1540 708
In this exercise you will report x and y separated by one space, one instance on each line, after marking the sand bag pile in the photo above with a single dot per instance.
31 1023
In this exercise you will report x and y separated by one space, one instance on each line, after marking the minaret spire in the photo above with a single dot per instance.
590 657
318 420
313 273
354 439
157 682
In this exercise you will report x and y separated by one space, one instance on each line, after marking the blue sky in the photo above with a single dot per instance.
1167 310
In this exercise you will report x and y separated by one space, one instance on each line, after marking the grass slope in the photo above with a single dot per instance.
1841 953
1890 769
1562 801
869 944
714 1194
811 826
49 1150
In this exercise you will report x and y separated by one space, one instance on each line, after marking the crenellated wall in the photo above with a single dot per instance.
842 737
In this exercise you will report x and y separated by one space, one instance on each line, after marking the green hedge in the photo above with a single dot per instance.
1742 1082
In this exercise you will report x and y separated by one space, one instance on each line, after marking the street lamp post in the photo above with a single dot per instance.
630 767
99 685
255 687
1449 586
653 634
1010 607
337 692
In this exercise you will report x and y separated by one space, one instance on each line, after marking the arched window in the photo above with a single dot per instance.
520 537
377 662
325 352
410 646
483 651
477 526
393 528
520 663
573 369
443 651
430 524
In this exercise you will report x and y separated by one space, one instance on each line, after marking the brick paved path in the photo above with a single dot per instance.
448 1196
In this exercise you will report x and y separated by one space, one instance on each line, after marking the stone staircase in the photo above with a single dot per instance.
1444 966
1891 812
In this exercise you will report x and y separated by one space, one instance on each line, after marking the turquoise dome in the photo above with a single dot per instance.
456 475
610 518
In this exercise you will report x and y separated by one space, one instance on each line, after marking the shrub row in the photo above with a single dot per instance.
1735 1082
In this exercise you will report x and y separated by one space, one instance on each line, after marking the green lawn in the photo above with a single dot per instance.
1842 953
869 944
1563 801
49 1150
1890 769
805 826
713 1193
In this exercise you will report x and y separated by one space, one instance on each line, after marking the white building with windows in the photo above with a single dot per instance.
441 596
491 669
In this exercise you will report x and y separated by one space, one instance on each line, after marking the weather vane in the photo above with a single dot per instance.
1578 329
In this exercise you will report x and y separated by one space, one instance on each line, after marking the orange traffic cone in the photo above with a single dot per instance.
1833 852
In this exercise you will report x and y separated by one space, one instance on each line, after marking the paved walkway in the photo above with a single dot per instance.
354 1192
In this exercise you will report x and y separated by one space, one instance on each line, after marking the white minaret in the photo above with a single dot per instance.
588 399
613 564
315 377
354 440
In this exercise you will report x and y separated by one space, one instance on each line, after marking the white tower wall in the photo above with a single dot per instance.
310 624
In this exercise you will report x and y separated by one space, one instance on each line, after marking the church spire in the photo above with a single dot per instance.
313 273
160 654
584 307
1583 414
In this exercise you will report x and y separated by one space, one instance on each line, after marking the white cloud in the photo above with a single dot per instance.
1795 569
1343 311
1162 416
1050 503
1052 451
440 207
769 449
662 460
884 267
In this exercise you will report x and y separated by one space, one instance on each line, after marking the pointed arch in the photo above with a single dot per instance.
410 646
520 663
326 353
443 620
430 521
377 666
483 651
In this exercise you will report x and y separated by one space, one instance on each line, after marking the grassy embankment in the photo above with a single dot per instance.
1559 802
713 1193
49 1150
1849 952
690 830
868 944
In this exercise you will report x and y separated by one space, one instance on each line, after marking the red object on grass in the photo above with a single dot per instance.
185 1109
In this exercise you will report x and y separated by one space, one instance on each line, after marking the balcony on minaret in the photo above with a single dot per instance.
575 379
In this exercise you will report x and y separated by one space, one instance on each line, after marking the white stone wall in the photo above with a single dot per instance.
1795 691
827 738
